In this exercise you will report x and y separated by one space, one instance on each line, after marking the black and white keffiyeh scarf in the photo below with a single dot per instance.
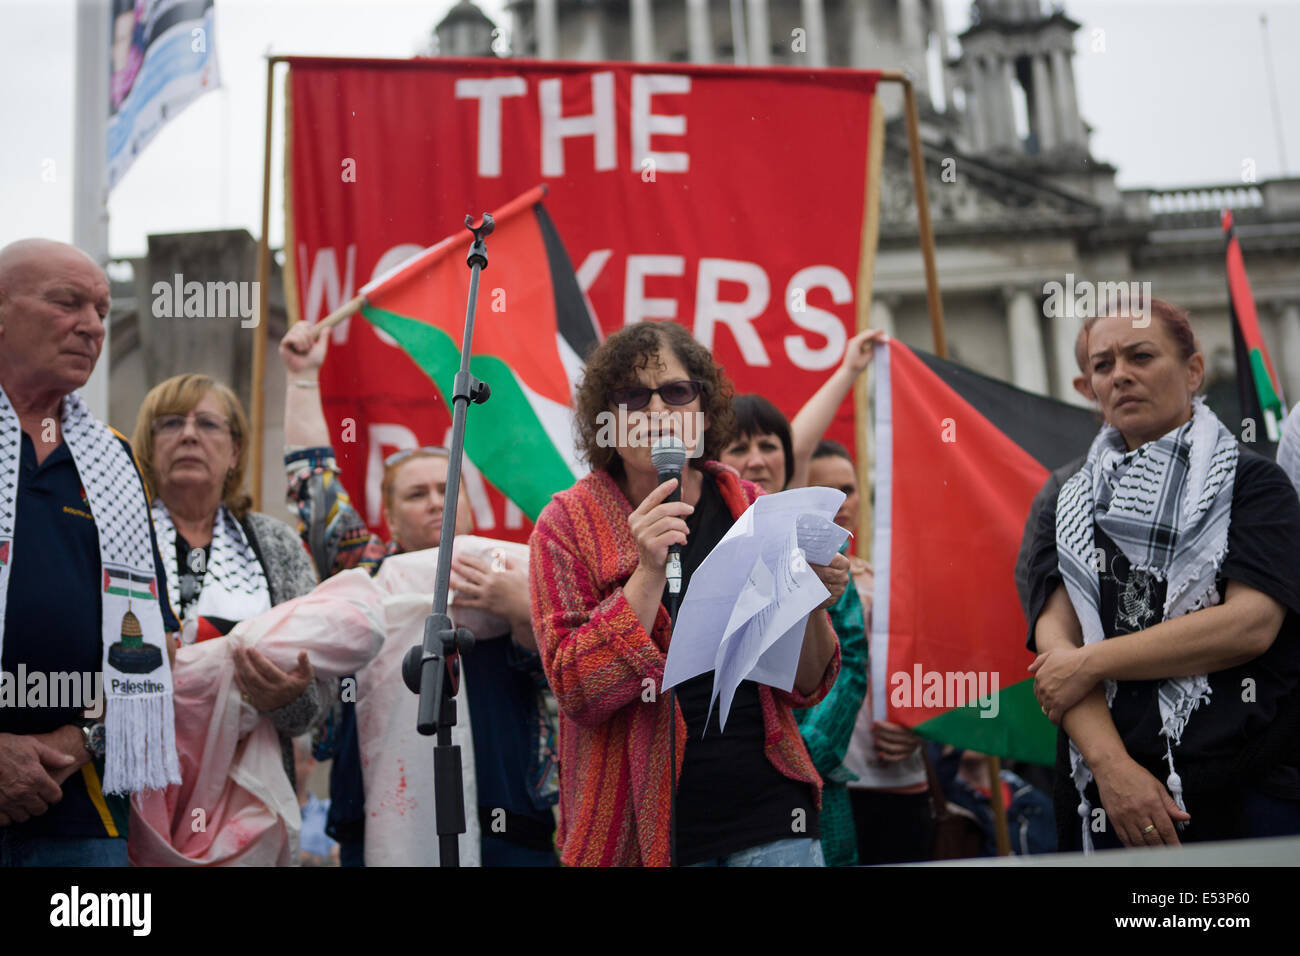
1166 506
234 585
140 729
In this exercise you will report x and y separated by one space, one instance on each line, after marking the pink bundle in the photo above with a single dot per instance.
236 806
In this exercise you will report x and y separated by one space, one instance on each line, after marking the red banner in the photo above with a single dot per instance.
730 200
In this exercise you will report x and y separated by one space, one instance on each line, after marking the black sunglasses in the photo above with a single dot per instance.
673 393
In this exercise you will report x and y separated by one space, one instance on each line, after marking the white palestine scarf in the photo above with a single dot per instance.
234 586
141 739
1166 507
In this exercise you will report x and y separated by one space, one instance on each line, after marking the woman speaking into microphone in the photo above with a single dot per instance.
598 586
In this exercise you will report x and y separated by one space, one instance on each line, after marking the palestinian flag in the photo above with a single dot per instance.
1258 387
532 332
959 459
127 583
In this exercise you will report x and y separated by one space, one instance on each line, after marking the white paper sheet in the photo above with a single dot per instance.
747 605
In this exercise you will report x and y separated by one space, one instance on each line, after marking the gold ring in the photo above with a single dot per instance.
1148 828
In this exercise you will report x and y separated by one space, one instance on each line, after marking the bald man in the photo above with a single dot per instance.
79 574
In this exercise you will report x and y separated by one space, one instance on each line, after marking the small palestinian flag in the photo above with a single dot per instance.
959 459
532 332
1258 387
4 552
130 584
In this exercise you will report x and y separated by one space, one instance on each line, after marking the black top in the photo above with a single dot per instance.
1248 736
502 701
729 797
52 618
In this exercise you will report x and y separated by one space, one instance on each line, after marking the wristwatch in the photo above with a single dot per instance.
95 736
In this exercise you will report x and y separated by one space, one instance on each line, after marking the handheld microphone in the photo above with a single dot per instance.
668 455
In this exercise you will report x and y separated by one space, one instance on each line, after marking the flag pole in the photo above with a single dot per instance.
351 307
90 171
257 398
937 330
866 281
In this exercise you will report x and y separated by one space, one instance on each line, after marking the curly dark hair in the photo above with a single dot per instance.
615 363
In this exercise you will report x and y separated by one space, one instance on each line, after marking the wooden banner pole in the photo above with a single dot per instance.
933 299
866 282
257 399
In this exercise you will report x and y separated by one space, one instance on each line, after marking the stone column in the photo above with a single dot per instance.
912 36
860 46
1044 105
1289 360
760 33
1067 102
941 29
997 100
882 316
1028 365
814 22
643 31
1006 84
698 31
592 44
547 29
1065 330
976 106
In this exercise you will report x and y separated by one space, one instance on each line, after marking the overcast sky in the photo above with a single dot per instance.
1176 93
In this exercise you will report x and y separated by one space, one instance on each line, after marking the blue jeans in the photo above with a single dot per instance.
799 851
18 850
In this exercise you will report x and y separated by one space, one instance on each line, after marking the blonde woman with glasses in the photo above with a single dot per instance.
225 562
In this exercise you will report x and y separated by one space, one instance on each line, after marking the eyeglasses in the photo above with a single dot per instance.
400 456
209 426
673 393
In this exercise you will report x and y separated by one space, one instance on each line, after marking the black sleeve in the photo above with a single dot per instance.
1042 572
1050 489
1264 531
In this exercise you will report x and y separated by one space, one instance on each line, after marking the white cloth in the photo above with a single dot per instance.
235 805
398 761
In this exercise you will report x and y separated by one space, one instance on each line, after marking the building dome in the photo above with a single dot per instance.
465 31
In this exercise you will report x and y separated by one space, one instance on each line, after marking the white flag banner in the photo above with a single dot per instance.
161 60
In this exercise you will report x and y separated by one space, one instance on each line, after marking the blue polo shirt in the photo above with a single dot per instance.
52 624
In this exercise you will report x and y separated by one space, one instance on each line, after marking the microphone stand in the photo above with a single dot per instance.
674 575
674 599
432 669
